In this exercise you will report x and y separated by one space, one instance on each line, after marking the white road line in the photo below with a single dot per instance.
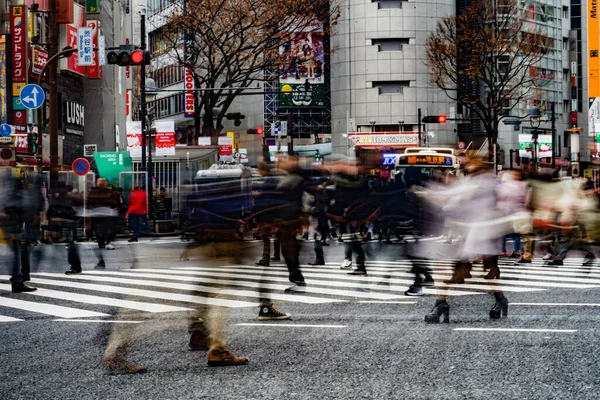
346 281
291 325
165 274
515 330
387 302
49 309
186 298
386 278
104 321
195 288
87 299
557 304
9 319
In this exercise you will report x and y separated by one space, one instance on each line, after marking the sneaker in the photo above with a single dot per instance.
224 358
548 257
360 271
109 247
324 244
318 261
100 266
296 287
347 264
270 313
262 263
414 290
555 262
340 240
515 254
132 240
72 272
121 366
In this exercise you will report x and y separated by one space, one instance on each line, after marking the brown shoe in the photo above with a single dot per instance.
122 366
22 289
198 341
224 358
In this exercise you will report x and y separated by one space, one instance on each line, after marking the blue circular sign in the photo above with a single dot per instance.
32 96
81 166
5 130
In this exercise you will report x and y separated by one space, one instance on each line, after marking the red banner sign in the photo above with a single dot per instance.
165 137
21 145
189 94
18 28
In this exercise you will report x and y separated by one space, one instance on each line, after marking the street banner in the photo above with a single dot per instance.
94 71
190 94
544 147
69 37
4 111
84 47
40 58
225 145
134 138
204 141
165 137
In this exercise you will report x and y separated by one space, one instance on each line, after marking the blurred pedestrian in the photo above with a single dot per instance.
137 212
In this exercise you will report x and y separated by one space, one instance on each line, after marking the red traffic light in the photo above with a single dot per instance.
441 119
137 57
259 131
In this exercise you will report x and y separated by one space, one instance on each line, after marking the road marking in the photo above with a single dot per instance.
48 309
9 319
387 302
104 321
292 325
87 299
516 330
557 304
91 276
186 298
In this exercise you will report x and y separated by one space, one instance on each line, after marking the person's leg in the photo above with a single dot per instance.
291 253
276 246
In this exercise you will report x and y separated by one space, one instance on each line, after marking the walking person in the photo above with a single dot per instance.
103 208
137 212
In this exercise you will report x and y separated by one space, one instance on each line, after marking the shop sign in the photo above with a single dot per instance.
384 139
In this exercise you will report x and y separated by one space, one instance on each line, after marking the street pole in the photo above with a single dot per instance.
145 135
52 92
419 124
553 136
290 138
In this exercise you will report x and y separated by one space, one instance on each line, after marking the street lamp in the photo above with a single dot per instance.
372 125
534 119
150 91
401 125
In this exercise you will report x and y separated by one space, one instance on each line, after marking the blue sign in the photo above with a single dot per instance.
81 166
32 96
5 130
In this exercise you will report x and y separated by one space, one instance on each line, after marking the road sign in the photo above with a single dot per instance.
89 150
85 49
101 50
511 121
81 166
32 96
461 145
6 130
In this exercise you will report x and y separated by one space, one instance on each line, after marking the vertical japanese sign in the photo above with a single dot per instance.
101 51
84 47
69 37
3 83
95 70
134 138
593 40
190 94
18 29
165 137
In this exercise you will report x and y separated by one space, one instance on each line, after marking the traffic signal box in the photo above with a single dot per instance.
128 55
434 119
256 131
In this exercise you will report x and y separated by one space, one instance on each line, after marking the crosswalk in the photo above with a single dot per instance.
101 294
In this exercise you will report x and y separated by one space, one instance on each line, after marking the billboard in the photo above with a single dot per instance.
18 29
134 138
165 137
544 146
302 69
68 37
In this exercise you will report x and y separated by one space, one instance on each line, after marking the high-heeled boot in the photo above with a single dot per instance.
462 271
441 308
493 273
501 306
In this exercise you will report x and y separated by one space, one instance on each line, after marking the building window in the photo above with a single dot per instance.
391 87
394 44
383 4
565 12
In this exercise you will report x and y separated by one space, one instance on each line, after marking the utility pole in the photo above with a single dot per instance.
146 136
419 124
52 93
553 105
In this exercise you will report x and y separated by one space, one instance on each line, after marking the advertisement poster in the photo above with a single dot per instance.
68 37
302 69
165 137
225 145
3 84
18 29
134 138
204 141
544 148
40 58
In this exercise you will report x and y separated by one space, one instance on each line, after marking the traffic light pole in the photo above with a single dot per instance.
146 136
419 124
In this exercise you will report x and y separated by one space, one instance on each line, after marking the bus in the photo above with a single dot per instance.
417 164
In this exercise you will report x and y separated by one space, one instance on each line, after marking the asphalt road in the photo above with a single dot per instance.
349 338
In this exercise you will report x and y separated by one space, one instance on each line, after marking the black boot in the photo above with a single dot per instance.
440 308
493 273
501 306
462 271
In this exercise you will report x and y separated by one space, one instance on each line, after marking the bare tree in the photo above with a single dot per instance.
230 43
485 59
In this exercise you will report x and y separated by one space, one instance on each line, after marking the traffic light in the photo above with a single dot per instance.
31 142
128 55
434 119
317 156
237 117
259 131
256 131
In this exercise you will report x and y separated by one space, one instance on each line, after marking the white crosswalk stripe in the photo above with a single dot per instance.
182 289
